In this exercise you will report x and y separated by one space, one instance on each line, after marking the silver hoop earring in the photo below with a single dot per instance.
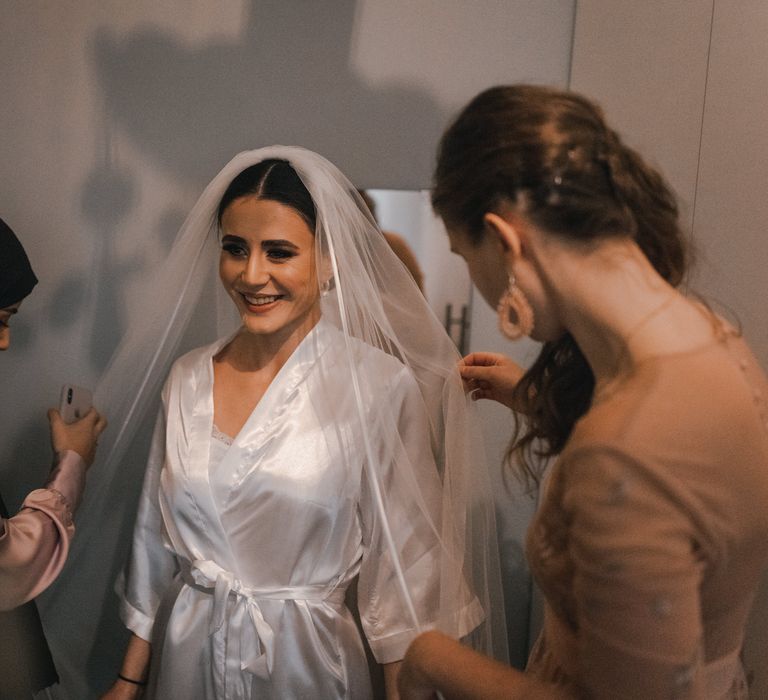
515 313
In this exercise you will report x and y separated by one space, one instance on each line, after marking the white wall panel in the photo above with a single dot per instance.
732 210
731 203
687 83
646 64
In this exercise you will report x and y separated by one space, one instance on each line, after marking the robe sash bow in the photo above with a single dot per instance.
256 636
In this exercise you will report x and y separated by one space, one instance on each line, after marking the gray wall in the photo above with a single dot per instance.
687 83
115 114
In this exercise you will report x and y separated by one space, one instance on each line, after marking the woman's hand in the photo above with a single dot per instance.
135 666
391 672
490 375
436 663
122 690
80 436
413 682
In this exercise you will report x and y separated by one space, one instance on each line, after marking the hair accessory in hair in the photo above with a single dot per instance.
515 313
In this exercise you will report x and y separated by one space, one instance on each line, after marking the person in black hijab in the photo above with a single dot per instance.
16 276
34 542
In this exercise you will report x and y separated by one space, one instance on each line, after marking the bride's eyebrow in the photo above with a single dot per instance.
279 242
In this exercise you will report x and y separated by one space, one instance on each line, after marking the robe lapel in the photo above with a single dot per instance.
191 453
256 433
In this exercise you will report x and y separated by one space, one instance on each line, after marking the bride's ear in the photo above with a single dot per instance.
506 233
327 285
325 272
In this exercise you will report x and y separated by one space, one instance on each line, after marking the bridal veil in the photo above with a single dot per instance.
369 296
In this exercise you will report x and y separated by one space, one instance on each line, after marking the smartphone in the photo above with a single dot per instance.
75 402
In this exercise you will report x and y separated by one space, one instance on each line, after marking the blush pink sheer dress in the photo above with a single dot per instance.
653 532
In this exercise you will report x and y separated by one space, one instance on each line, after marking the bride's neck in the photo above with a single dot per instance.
258 352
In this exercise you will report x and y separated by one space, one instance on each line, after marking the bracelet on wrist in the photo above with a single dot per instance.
131 680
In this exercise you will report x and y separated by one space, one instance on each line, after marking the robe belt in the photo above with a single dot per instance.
257 639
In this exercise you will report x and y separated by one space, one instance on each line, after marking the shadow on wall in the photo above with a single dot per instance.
189 109
288 81
93 291
108 196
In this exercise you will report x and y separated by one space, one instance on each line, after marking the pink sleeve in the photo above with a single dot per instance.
34 543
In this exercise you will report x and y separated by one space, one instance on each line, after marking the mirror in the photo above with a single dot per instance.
407 219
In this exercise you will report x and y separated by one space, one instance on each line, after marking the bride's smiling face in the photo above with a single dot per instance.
267 266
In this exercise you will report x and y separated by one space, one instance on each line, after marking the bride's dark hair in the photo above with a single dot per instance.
552 151
272 179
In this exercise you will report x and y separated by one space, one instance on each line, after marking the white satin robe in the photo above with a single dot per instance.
237 577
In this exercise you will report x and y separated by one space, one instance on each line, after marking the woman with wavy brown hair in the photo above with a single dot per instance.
653 527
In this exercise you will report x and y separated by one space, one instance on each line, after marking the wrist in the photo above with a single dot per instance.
418 656
131 686
68 477
128 678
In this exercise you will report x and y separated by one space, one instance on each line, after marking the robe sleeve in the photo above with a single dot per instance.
410 490
151 567
34 543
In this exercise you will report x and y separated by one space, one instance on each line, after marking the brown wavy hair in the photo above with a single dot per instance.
553 150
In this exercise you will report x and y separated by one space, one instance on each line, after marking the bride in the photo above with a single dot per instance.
323 441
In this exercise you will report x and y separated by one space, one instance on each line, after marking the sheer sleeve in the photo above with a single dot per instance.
383 611
638 564
412 501
34 543
151 567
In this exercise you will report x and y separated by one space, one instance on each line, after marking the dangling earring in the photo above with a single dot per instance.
515 313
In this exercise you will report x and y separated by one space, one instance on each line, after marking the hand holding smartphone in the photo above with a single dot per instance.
74 403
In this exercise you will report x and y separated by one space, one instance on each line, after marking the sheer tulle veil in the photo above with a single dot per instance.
369 296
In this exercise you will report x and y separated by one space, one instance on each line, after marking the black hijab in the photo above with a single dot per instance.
16 276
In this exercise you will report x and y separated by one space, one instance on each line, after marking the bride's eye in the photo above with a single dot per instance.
234 249
280 253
